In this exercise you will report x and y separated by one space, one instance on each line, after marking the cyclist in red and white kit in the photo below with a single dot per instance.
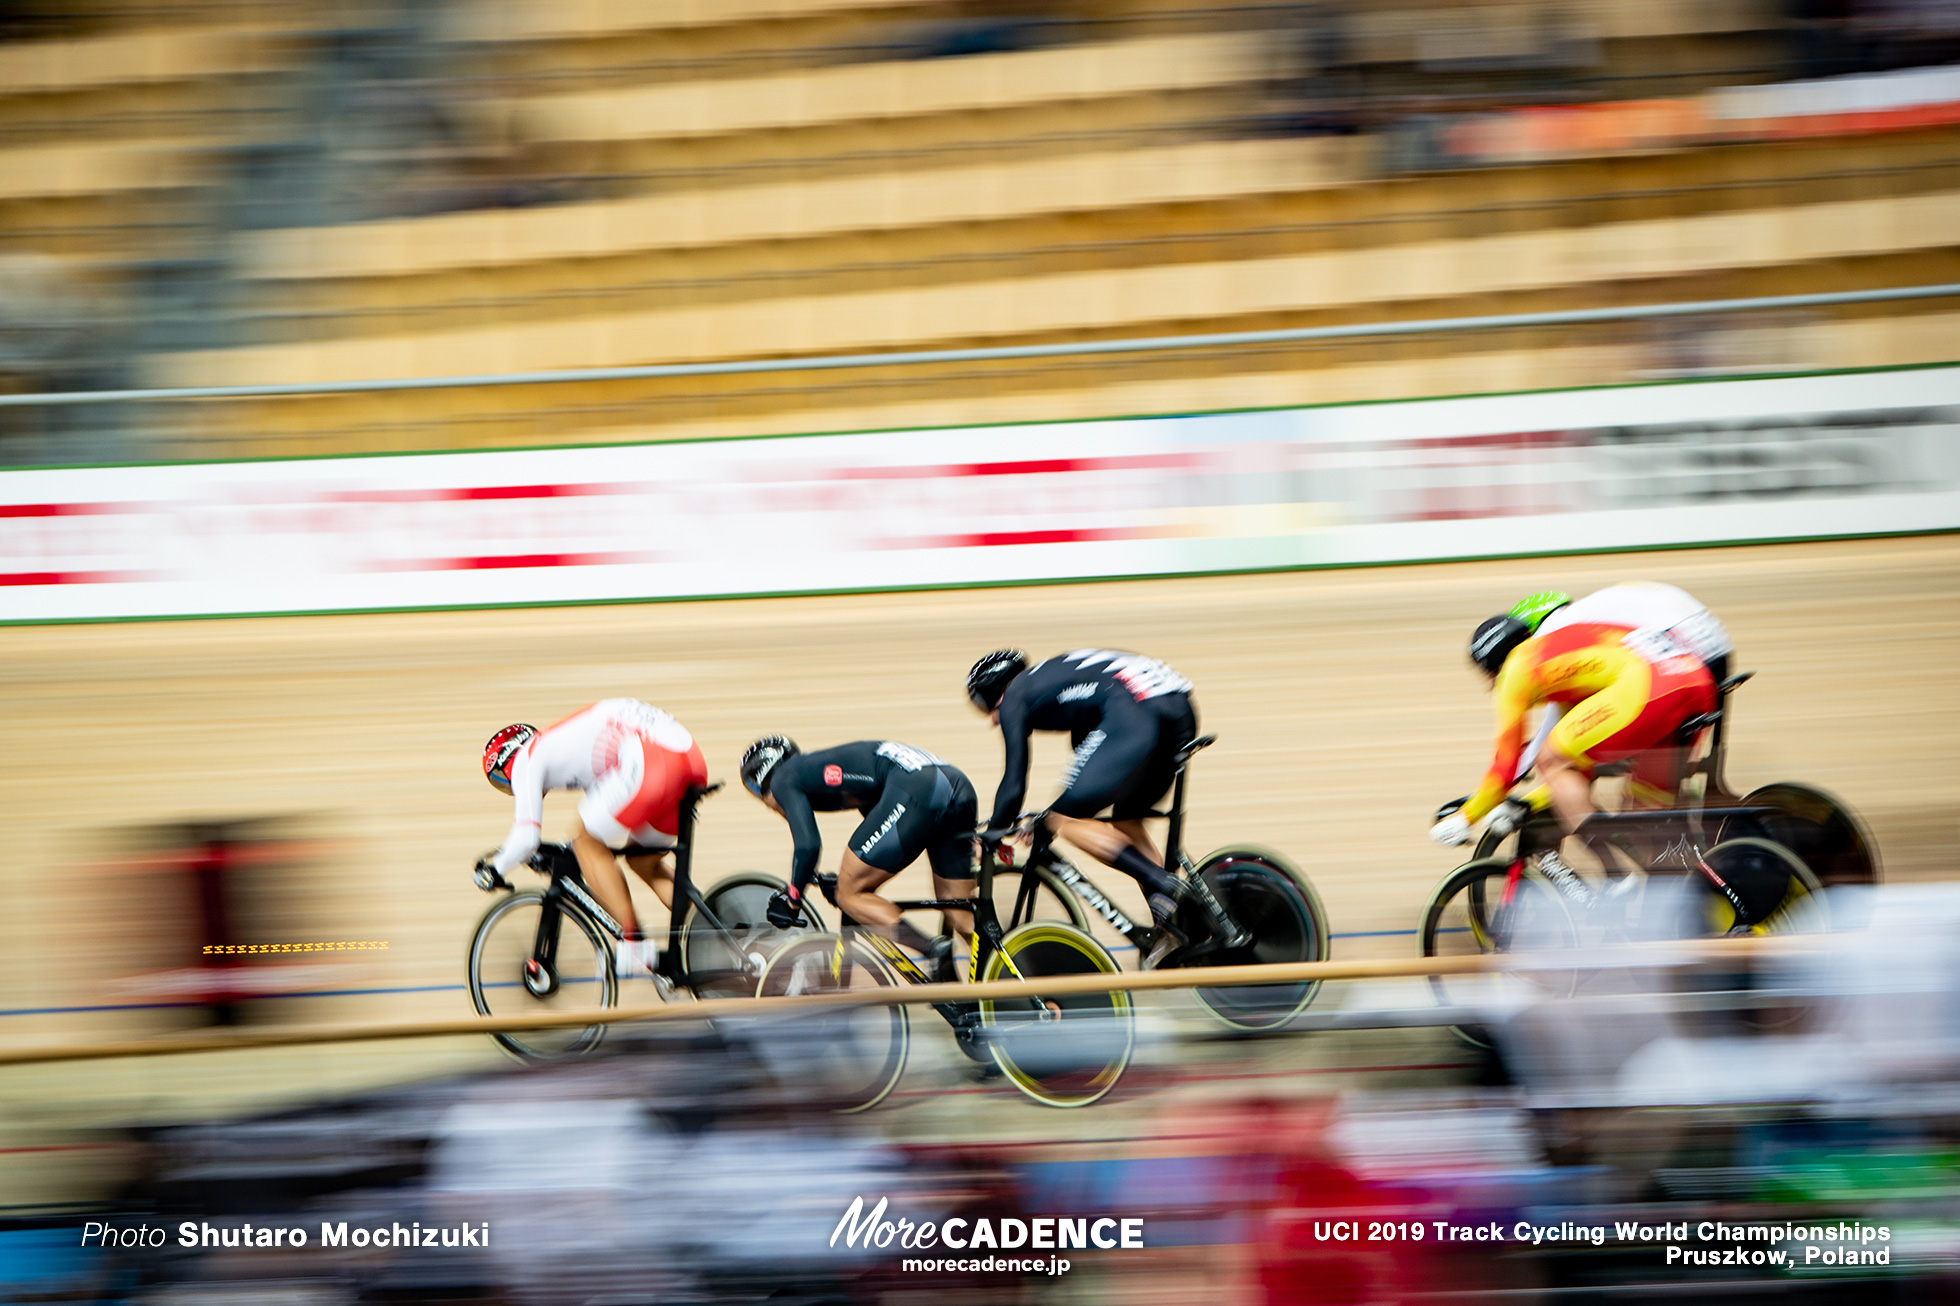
633 764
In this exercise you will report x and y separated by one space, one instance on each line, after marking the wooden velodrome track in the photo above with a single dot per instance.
1342 703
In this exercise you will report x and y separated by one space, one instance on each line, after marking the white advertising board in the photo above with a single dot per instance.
1634 467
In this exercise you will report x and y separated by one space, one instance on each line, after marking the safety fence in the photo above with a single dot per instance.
231 1039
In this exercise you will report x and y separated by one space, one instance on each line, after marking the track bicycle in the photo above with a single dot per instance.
1255 889
1066 1051
1684 872
550 951
1810 822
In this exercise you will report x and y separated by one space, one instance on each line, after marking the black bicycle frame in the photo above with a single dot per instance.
987 934
568 881
1543 833
1041 854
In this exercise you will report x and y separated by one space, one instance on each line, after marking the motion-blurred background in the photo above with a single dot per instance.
241 192
213 193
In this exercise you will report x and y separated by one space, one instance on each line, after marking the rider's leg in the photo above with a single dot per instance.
658 872
600 866
641 793
1110 843
1569 780
858 883
1124 764
952 854
1139 839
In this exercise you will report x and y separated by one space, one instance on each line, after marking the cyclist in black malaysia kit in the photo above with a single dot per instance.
1127 716
912 802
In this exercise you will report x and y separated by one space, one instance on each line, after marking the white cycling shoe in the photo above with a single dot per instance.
635 958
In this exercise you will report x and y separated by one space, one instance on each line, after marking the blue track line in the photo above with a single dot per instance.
438 988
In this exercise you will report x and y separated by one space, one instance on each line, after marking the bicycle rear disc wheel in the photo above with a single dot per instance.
852 1057
1476 911
1276 905
577 977
1829 838
1066 1050
728 963
1050 899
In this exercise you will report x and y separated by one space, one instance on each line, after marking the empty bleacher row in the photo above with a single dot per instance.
598 183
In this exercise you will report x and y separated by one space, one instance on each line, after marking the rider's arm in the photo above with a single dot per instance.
527 828
1014 733
1547 720
803 829
1513 699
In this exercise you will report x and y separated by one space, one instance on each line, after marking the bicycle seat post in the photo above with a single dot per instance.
1174 834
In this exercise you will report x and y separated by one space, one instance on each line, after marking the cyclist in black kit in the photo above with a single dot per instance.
1127 717
913 803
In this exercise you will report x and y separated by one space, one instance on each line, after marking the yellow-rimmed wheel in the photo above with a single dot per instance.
851 1057
1064 1049
1779 895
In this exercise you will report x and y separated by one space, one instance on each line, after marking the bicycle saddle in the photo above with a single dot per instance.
1694 725
1193 748
1733 683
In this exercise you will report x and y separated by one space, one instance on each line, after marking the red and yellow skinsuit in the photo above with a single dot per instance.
1625 693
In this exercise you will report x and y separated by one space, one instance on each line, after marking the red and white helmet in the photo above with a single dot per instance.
502 750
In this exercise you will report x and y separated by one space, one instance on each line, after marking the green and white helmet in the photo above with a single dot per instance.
1533 610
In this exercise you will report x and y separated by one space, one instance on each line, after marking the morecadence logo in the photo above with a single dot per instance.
860 1228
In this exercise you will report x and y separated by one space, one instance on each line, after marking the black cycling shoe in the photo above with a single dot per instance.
1228 933
972 1038
1166 939
938 959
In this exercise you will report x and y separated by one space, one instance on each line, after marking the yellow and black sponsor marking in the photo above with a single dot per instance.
342 945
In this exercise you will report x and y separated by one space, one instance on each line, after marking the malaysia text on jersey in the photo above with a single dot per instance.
912 802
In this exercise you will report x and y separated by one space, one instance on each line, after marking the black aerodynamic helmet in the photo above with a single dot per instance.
990 676
763 757
1493 641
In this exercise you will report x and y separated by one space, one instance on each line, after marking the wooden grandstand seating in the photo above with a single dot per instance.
1396 24
779 211
124 58
68 170
523 20
1148 299
882 91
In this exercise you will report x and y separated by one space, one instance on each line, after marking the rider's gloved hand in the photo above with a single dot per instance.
1451 831
1452 806
785 910
1003 850
1510 814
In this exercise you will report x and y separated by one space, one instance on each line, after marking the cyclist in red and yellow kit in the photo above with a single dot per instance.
1625 695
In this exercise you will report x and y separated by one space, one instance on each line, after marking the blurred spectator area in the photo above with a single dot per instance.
257 192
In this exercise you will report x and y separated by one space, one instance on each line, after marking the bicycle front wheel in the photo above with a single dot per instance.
1066 1050
1478 910
852 1056
1274 903
527 958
